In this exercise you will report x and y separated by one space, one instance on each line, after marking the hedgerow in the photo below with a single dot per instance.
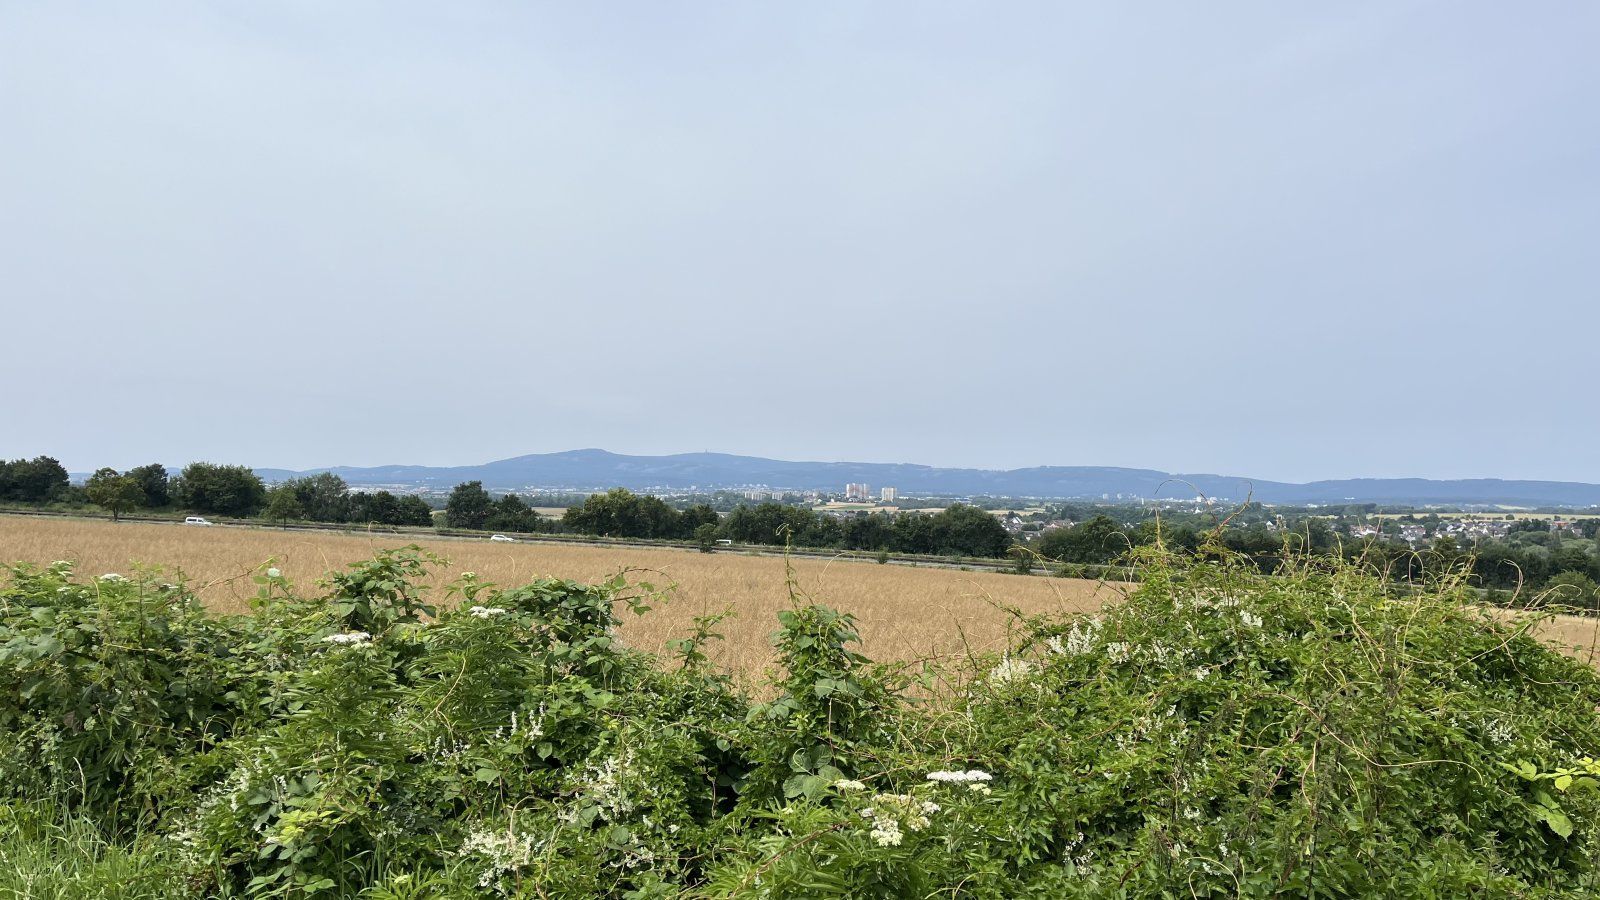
1221 733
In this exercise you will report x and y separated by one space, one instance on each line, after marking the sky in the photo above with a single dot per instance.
1286 241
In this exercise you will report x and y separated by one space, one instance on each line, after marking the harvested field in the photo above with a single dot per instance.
905 612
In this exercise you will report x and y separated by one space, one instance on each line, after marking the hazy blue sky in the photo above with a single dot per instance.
1283 240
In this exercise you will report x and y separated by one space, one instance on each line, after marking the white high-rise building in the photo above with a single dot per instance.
888 495
855 491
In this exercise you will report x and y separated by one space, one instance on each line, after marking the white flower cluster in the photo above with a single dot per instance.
112 576
849 784
1080 860
442 750
1499 732
1250 619
274 572
505 852
1119 651
529 730
606 785
349 639
892 812
961 777
975 779
1078 639
635 852
484 612
1010 670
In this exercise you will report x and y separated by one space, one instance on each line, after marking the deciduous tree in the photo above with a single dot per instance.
114 492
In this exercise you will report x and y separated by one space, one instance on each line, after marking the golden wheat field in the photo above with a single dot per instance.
904 612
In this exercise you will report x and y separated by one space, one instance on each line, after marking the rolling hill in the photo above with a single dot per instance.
598 469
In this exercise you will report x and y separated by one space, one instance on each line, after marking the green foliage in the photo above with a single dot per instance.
48 857
38 480
1096 541
323 497
827 706
512 513
153 482
705 537
779 524
622 513
378 594
105 685
1572 589
469 506
1222 733
283 504
226 490
113 492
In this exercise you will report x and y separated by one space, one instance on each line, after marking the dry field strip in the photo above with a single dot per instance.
906 613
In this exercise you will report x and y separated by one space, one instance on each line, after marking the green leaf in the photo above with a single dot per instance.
1556 819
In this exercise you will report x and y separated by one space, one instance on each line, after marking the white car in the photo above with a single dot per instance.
505 539
196 520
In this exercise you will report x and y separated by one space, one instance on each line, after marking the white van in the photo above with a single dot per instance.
196 520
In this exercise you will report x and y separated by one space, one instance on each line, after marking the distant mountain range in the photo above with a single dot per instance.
594 469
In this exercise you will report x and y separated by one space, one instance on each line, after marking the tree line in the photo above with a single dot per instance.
325 497
959 530
210 489
1535 557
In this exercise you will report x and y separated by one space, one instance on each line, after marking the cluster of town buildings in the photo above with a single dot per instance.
861 492
1463 530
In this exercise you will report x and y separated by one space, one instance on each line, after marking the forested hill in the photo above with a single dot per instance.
583 469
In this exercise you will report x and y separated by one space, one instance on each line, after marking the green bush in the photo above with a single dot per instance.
1221 733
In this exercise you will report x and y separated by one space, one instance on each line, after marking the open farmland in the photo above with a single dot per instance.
905 613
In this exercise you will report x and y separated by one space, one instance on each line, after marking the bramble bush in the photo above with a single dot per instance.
1221 733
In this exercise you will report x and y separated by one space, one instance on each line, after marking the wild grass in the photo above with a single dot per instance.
904 613
48 855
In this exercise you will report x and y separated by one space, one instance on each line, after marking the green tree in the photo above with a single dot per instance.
622 513
870 532
325 497
378 507
227 490
469 506
1096 541
153 482
512 513
690 520
413 510
775 523
1573 589
1573 556
38 480
969 531
283 504
114 492
705 537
